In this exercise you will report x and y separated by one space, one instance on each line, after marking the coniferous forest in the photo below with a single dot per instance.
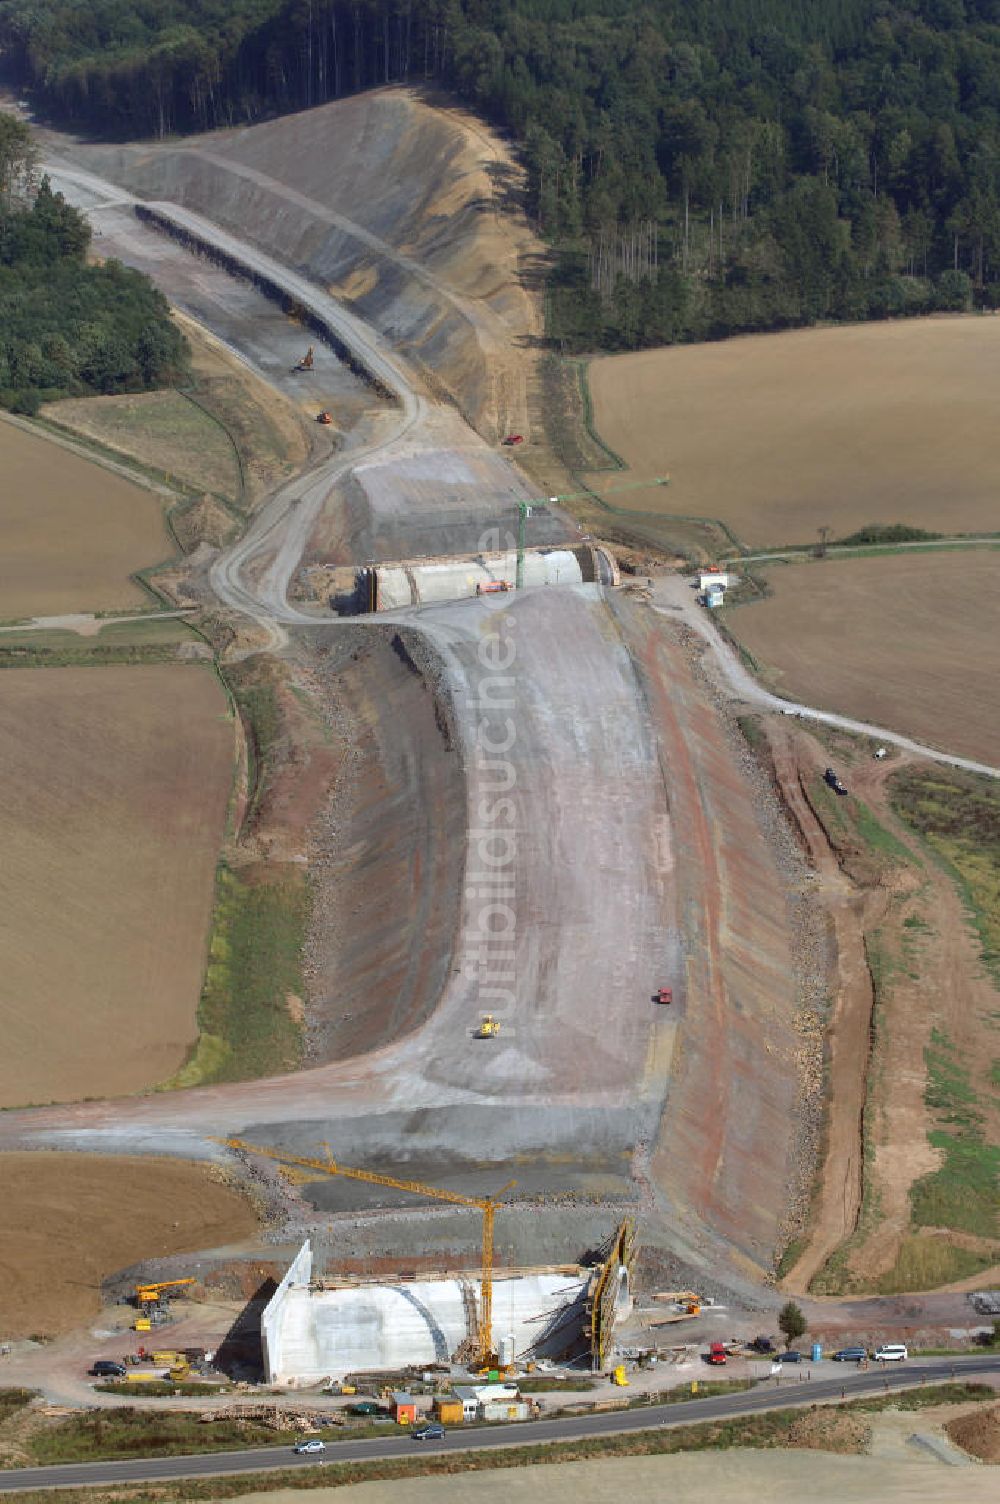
701 166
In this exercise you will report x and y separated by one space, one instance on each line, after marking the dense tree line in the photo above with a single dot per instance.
66 328
705 166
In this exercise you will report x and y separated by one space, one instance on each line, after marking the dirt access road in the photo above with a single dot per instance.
674 595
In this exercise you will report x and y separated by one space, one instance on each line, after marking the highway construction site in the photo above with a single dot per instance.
538 807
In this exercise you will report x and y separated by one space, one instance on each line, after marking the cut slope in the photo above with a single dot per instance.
116 783
393 205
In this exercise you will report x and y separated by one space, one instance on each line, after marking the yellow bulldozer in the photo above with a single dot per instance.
489 1028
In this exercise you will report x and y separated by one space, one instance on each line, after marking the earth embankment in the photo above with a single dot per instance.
392 205
387 876
730 1139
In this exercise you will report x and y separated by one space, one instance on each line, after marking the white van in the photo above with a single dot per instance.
892 1352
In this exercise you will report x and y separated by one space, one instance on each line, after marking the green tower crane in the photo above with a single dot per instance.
524 512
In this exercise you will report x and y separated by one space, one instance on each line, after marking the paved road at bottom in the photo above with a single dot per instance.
792 1390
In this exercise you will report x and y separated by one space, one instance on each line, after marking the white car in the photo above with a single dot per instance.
892 1352
312 1445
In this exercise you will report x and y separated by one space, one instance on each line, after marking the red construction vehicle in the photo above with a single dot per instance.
491 587
664 995
324 418
514 438
306 363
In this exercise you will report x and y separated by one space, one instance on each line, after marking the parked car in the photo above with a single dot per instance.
432 1432
716 1353
891 1352
312 1445
106 1368
850 1355
789 1357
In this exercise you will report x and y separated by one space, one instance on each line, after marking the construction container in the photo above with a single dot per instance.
505 1410
404 1408
448 1409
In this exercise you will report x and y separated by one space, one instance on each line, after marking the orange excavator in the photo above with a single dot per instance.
306 363
324 418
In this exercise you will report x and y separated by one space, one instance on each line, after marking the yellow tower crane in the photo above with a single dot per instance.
486 1204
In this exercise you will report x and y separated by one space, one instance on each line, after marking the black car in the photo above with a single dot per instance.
433 1432
850 1355
104 1368
789 1357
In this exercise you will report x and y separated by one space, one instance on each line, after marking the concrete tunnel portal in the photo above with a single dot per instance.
393 585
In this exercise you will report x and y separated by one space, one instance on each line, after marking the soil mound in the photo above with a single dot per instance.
978 1433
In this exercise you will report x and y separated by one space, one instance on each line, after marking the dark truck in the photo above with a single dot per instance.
831 778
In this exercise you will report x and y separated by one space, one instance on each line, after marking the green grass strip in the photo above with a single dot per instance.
769 1430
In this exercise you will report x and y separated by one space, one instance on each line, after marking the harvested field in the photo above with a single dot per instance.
116 782
906 641
780 434
71 532
71 1220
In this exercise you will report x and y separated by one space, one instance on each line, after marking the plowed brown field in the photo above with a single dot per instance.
116 782
906 641
780 434
71 532
71 1220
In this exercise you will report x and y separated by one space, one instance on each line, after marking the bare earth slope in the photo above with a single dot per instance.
780 434
107 876
389 203
906 641
70 1221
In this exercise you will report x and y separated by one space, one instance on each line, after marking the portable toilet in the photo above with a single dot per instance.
817 1352
404 1408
